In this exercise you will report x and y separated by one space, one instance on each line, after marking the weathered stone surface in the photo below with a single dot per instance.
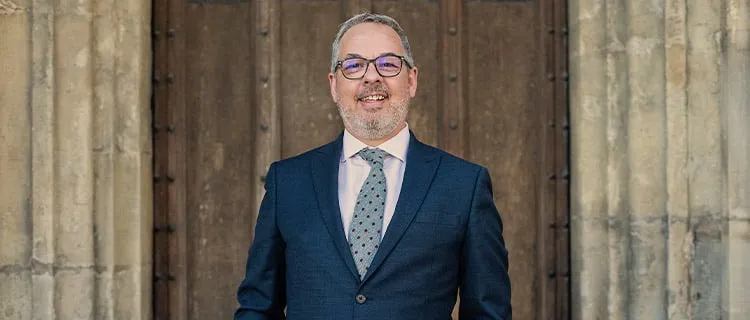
704 107
737 305
43 289
15 294
737 111
14 144
708 263
8 7
74 241
75 150
74 298
127 281
736 108
15 154
43 178
679 235
675 117
589 260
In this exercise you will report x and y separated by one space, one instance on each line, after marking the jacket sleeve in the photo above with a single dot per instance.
484 282
261 294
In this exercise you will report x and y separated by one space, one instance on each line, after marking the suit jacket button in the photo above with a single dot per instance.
360 298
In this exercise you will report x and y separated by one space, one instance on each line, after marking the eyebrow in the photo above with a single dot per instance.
356 55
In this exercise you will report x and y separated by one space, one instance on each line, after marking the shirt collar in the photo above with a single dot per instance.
395 146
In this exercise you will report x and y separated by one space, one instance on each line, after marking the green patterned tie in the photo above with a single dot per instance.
367 221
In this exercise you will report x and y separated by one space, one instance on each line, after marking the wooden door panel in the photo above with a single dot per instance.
219 154
309 116
504 128
248 85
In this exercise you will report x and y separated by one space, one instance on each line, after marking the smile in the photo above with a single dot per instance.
373 98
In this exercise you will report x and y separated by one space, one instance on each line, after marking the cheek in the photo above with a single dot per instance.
400 88
346 91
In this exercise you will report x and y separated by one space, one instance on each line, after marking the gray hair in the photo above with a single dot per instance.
370 17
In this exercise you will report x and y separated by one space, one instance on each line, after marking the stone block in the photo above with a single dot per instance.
15 150
709 267
43 291
15 293
647 272
75 293
737 264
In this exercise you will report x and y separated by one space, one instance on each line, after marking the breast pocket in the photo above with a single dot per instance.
438 217
434 230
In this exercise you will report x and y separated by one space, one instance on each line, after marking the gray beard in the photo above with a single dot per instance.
365 127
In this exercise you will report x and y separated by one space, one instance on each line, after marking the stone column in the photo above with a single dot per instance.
660 135
736 133
75 159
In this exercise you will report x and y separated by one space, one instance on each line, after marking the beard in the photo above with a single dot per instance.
374 125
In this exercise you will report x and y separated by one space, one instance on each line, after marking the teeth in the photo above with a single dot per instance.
373 98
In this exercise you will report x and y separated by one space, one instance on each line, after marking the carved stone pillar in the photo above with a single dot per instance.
660 147
75 159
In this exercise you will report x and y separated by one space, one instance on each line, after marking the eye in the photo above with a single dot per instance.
352 65
389 63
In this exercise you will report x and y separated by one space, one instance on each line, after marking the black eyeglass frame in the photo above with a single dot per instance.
372 61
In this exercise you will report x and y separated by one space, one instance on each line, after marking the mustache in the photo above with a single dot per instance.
376 89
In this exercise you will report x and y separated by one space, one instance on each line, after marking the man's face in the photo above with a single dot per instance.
374 107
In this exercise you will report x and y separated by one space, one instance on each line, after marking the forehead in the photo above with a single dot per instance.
370 40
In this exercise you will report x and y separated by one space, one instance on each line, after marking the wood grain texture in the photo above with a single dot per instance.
504 78
310 117
219 155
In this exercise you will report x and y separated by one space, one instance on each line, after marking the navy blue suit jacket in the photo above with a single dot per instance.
445 234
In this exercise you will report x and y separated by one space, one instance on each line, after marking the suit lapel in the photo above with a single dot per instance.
421 165
325 173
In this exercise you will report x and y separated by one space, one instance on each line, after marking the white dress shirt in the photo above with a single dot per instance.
353 171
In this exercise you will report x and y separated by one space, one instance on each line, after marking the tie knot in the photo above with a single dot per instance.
374 156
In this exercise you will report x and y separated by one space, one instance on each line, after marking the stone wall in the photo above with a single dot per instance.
75 159
660 195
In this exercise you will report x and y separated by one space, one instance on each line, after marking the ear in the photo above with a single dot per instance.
332 84
413 76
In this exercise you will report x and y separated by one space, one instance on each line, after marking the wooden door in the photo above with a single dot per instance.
239 84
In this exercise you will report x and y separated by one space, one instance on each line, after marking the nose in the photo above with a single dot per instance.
371 74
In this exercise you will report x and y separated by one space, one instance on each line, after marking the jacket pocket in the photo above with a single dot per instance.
437 217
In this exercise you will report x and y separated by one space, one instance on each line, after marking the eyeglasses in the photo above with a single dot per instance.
387 65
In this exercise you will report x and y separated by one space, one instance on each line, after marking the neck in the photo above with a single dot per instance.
377 142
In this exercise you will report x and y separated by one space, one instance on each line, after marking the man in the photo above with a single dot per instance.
375 225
